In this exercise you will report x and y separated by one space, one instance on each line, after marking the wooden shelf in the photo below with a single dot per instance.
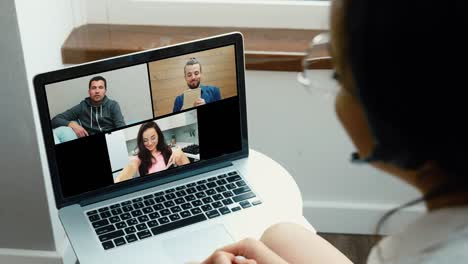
265 49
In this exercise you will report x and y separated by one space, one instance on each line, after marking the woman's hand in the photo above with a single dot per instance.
251 250
178 157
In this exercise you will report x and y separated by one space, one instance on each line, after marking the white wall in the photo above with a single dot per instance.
36 236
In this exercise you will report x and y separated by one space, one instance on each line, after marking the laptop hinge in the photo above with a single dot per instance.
154 183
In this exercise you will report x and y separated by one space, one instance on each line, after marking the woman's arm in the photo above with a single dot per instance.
178 157
128 172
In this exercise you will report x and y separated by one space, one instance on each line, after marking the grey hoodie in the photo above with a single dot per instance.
94 119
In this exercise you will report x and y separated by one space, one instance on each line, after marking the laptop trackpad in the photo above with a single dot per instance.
197 245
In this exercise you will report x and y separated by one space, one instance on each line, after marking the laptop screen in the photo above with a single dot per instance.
170 113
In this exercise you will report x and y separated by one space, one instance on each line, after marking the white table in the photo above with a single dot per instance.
282 200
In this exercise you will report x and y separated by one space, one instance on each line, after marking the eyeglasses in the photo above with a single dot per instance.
317 55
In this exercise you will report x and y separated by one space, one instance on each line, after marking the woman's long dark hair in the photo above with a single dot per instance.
404 59
147 160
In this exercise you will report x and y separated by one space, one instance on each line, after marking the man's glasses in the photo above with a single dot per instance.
318 53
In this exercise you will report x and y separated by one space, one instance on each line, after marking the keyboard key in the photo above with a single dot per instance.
121 225
212 214
206 207
148 210
176 209
111 235
153 223
158 194
174 217
179 200
125 216
149 196
224 210
178 224
170 190
234 178
210 192
256 202
149 202
127 208
154 215
207 200
218 197
241 190
237 208
186 206
228 194
108 245
136 200
201 188
197 203
217 204
140 227
170 196
227 201
131 238
94 217
158 207
245 204
114 206
163 220
231 186
195 211
160 199
126 203
180 188
138 205
132 221
130 230
241 183
190 198
116 211
191 190
212 179
181 193
114 219
143 218
191 184
105 229
232 173
244 196
200 195
185 214
144 234
120 241
221 182
165 212
100 223
169 204
105 214
211 184
222 176
137 213
201 182
91 212
103 209
221 189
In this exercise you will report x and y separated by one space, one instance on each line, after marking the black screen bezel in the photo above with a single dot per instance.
41 80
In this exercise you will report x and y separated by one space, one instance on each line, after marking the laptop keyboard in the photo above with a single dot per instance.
162 211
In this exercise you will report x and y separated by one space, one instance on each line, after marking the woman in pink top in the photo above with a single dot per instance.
153 154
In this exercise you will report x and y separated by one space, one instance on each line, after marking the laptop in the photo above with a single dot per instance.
138 174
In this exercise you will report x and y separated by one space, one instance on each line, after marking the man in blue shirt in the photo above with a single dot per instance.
192 74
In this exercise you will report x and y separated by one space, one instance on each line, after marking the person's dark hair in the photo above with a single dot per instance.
192 61
144 154
404 60
97 78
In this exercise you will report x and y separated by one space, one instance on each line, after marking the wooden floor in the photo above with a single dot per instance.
355 247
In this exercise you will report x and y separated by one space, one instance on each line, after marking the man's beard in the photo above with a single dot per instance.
196 85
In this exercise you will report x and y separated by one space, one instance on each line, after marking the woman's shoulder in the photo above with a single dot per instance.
437 237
